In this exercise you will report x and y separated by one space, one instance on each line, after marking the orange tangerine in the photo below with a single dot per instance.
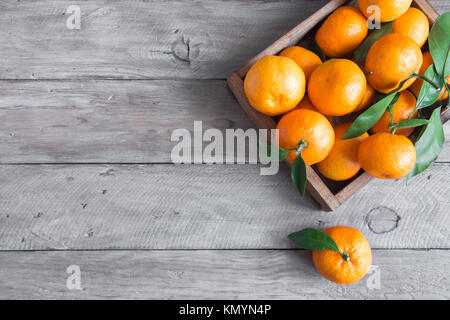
274 85
307 60
342 162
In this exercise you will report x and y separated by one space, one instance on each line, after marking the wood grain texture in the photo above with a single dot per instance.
108 121
236 274
204 207
428 9
356 185
130 207
131 39
294 35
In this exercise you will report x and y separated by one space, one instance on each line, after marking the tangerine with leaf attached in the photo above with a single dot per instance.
307 126
351 243
401 111
417 85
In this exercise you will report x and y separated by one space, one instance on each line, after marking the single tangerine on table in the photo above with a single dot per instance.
308 126
401 111
417 85
414 24
389 9
274 85
342 162
351 243
307 60
342 32
391 60
337 87
387 156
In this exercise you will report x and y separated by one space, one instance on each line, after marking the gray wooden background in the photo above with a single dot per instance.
86 178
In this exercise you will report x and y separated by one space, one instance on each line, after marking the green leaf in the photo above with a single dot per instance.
429 94
368 118
298 174
391 106
361 52
393 102
429 144
439 44
312 239
267 152
410 123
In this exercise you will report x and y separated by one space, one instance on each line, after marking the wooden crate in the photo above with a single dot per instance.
329 194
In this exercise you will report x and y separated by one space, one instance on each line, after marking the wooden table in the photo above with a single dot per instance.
86 177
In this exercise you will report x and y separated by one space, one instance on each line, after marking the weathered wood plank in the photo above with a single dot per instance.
236 274
141 39
204 207
111 121
132 39
107 121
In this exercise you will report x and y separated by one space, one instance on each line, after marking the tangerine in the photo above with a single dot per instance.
414 24
351 243
342 162
307 60
342 32
388 9
387 156
392 59
337 87
417 85
401 111
274 85
307 104
308 126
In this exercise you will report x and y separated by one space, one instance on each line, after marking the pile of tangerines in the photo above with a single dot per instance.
377 76
385 78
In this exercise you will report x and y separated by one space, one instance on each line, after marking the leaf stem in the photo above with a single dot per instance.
345 256
302 145
446 85
391 108
421 76
392 117
412 113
